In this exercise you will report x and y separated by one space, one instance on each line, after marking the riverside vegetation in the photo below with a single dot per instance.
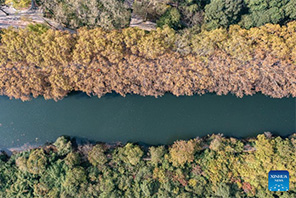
39 61
213 166
222 46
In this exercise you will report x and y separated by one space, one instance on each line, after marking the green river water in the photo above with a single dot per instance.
148 120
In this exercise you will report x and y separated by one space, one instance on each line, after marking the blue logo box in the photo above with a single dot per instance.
278 180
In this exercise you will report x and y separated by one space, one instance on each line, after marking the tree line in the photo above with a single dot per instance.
213 166
37 61
178 14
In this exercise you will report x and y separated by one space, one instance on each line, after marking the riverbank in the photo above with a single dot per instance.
201 167
81 143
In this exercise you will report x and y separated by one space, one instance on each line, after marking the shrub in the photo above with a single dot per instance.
19 4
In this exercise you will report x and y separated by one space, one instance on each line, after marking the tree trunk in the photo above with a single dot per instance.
33 5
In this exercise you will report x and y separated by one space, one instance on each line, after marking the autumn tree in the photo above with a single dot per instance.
183 152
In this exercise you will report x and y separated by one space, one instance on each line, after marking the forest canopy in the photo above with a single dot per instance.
213 166
37 61
193 15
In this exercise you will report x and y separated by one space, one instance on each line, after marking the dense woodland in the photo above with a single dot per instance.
178 14
40 61
213 166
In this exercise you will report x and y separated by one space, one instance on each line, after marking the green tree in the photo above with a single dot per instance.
72 159
21 163
63 145
74 179
50 182
192 12
108 14
37 162
171 18
150 10
156 154
97 155
290 9
261 12
222 13
223 190
130 154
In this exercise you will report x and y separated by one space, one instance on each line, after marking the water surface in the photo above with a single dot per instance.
135 118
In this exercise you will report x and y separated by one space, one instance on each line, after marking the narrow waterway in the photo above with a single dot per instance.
135 118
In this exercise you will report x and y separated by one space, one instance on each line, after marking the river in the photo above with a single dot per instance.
148 120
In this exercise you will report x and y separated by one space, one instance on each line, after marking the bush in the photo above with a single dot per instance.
38 28
19 4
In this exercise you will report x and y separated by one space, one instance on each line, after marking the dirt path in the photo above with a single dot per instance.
20 19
